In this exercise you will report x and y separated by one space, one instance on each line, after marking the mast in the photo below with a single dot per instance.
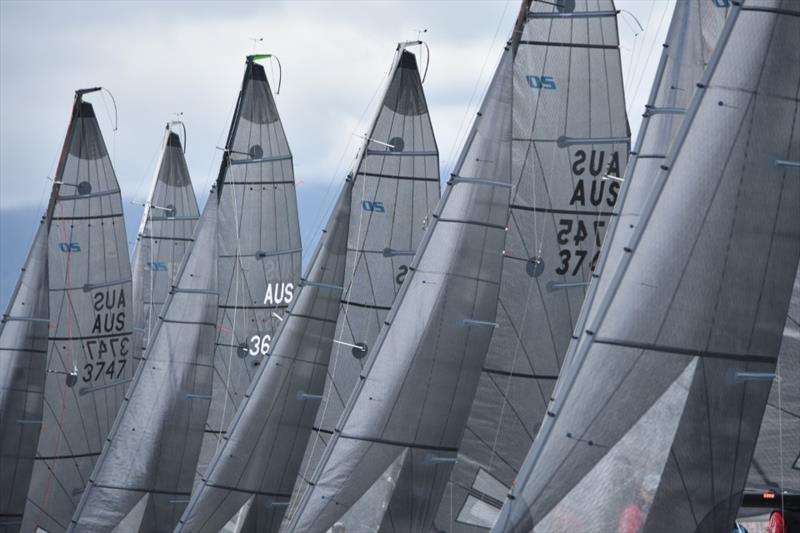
351 282
23 368
89 357
415 390
165 234
152 450
259 251
661 409
570 129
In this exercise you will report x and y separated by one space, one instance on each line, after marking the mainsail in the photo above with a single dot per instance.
570 129
658 417
152 450
414 393
170 215
258 251
397 189
23 358
89 358
373 230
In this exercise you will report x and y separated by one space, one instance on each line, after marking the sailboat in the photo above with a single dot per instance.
23 359
658 415
412 397
258 251
144 476
351 282
89 356
570 144
165 233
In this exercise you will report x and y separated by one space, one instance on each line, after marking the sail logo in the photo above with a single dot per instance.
542 82
374 207
69 247
156 266
279 293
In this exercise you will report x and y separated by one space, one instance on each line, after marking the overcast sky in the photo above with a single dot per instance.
159 58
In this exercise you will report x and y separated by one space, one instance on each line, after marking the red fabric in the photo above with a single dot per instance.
775 523
631 519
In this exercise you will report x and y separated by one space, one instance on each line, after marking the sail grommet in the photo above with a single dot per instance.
534 267
397 144
84 188
72 379
359 351
256 152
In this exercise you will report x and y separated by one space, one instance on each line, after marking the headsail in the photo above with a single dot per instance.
375 227
89 359
23 359
259 247
570 129
415 391
397 188
153 447
165 234
660 416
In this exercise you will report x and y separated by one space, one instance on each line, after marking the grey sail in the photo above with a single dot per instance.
658 417
264 445
165 234
153 447
23 358
416 388
374 229
396 190
776 461
570 129
89 359
259 247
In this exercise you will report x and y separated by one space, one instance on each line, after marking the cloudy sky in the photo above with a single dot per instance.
160 58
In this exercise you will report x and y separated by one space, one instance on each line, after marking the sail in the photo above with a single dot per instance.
373 231
415 390
259 248
153 447
776 461
88 362
570 129
262 451
396 190
658 416
165 235
23 352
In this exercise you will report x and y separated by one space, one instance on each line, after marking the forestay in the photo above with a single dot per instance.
259 247
415 390
23 358
396 189
89 359
570 130
165 234
152 450
658 422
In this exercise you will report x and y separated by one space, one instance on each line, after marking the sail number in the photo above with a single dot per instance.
259 345
542 82
575 231
107 354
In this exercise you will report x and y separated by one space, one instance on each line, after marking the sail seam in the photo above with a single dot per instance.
571 45
391 177
367 306
754 358
564 211
90 217
401 444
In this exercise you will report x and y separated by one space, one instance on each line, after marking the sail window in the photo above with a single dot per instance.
534 267
243 350
565 6
489 485
397 144
478 513
84 188
72 379
256 152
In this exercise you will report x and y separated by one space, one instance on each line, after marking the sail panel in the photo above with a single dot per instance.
259 248
23 358
416 389
262 452
707 276
155 442
165 234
